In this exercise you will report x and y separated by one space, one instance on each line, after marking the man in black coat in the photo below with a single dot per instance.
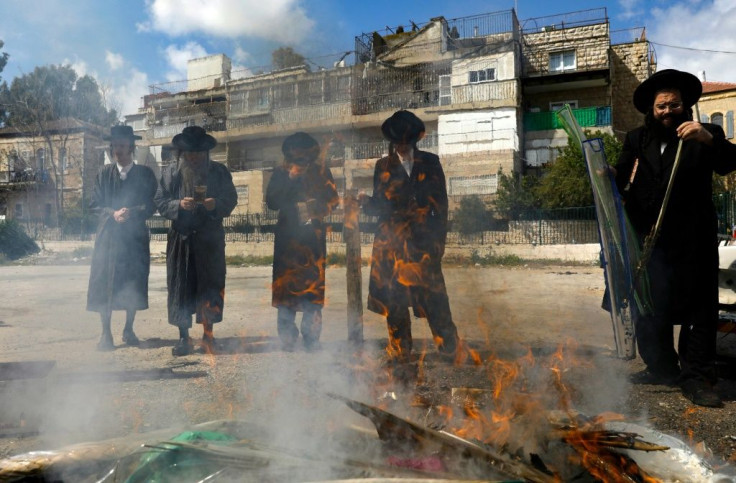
122 199
683 268
196 194
303 191
410 199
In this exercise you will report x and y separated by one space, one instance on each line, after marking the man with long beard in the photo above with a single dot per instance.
683 268
196 194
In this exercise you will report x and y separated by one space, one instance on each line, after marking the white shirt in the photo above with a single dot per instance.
408 162
124 170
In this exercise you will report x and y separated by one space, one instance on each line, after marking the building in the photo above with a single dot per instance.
486 87
717 105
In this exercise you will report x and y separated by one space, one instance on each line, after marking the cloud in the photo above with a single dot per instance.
114 61
126 97
699 27
630 9
277 20
177 58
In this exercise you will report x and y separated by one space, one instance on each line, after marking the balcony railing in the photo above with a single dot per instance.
484 92
586 117
378 149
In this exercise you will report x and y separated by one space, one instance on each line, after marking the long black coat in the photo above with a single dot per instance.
195 248
410 237
121 260
684 279
300 250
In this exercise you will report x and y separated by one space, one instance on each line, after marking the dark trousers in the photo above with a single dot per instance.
696 348
311 326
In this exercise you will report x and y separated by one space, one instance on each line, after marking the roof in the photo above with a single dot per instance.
60 125
709 87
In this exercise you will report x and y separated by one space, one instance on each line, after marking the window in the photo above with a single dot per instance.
243 194
557 105
562 61
18 212
41 159
62 159
483 75
445 90
717 118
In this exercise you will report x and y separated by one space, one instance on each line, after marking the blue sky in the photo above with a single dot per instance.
127 45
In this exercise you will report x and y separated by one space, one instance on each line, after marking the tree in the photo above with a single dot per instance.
3 57
516 194
285 57
471 217
565 182
45 102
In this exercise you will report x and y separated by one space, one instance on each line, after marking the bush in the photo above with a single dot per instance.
14 243
471 217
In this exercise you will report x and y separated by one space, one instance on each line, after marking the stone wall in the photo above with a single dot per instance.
629 67
590 43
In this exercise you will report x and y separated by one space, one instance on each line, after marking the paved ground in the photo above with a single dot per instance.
90 395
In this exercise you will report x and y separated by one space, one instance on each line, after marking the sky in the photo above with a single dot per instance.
129 45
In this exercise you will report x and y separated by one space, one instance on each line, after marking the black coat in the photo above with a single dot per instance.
687 245
300 250
195 248
121 260
410 237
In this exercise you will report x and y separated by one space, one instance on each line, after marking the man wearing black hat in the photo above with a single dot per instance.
303 192
122 199
196 194
410 200
683 268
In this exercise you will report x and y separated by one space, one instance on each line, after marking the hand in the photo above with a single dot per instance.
363 198
295 171
209 204
121 215
693 130
187 203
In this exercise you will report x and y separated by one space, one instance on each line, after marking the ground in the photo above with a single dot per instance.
541 318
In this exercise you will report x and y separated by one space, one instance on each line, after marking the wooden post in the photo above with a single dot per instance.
351 234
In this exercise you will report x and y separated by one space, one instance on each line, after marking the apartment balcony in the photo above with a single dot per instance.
241 118
587 117
501 93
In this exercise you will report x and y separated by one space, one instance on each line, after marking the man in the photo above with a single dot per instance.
196 194
122 199
683 268
410 199
303 192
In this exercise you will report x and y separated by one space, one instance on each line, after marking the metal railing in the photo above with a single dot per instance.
566 20
586 117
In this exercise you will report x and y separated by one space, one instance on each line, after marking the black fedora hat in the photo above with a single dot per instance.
121 132
193 138
403 127
689 86
306 147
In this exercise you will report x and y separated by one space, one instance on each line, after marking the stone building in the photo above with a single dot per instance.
717 105
486 87
44 173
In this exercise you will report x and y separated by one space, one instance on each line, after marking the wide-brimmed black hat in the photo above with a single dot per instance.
121 132
302 141
689 86
193 138
403 127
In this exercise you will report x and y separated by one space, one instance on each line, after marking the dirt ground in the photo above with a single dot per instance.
535 316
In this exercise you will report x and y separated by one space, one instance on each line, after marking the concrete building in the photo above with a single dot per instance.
486 87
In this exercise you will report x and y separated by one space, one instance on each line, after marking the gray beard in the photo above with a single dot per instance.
192 176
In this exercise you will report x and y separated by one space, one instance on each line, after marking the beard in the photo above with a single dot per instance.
192 174
658 130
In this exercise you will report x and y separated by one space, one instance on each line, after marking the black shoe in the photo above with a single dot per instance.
656 378
130 338
701 393
105 344
183 347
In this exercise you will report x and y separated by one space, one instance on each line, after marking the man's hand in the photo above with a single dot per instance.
209 204
693 130
121 215
187 203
